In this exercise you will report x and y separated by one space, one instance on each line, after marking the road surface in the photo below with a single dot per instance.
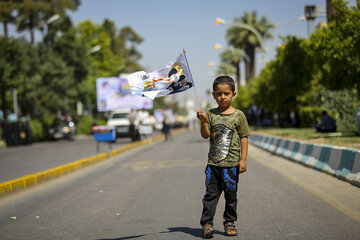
155 192
22 160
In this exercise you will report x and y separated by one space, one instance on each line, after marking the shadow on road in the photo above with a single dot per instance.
122 238
195 232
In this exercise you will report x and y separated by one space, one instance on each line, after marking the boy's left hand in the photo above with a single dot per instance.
242 166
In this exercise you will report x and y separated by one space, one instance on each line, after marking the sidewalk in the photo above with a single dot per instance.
343 163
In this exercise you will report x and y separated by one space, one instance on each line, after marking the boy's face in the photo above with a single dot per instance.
223 95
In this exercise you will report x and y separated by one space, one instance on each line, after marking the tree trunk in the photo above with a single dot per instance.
4 103
252 57
247 71
32 35
5 29
250 66
238 74
4 108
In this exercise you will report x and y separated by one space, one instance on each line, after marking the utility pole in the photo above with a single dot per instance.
312 12
310 17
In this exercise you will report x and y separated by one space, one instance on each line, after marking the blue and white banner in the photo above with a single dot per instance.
173 78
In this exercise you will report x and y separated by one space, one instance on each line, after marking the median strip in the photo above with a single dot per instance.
343 163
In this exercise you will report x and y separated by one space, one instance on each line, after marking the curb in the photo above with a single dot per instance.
31 180
343 163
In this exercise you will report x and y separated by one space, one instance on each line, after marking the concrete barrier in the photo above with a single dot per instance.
31 180
340 162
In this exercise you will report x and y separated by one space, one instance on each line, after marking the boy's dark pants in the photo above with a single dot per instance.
220 179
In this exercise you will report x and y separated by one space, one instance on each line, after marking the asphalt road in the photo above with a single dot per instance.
155 192
22 160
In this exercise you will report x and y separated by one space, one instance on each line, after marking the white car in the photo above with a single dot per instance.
118 119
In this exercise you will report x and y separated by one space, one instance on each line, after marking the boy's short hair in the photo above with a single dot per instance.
226 80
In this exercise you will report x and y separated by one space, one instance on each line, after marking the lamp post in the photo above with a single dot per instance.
220 21
217 46
300 18
95 49
53 18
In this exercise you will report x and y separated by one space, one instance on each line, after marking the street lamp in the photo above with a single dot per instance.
217 46
220 21
53 18
300 18
95 49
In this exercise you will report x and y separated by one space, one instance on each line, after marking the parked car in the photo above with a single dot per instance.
63 128
118 119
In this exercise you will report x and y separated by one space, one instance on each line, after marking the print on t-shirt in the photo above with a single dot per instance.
221 141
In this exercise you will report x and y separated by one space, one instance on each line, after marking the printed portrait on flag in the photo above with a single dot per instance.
175 77
114 92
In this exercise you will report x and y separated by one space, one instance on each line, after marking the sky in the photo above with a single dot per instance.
168 27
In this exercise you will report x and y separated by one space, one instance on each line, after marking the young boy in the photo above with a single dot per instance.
228 129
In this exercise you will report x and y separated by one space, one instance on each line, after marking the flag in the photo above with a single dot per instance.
173 78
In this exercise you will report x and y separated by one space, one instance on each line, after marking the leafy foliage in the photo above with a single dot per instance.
343 103
336 49
37 131
84 125
14 63
7 9
75 55
51 76
284 79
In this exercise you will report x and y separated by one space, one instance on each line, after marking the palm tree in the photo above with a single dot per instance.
230 63
242 38
128 40
59 7
7 8
33 14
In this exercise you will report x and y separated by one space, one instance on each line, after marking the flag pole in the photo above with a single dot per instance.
196 96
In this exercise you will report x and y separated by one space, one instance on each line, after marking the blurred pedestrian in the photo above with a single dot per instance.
145 128
167 128
132 118
327 123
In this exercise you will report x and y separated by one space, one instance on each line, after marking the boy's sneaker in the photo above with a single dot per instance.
208 230
230 229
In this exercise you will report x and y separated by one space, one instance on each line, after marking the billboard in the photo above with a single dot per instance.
114 92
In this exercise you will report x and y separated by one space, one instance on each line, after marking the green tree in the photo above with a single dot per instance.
103 62
31 15
49 85
230 59
242 38
7 9
59 7
75 55
128 40
285 79
123 44
336 49
13 66
243 99
343 103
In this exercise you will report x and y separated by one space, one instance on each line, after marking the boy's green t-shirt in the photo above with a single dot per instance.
225 133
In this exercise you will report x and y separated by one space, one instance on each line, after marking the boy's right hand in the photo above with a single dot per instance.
202 116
